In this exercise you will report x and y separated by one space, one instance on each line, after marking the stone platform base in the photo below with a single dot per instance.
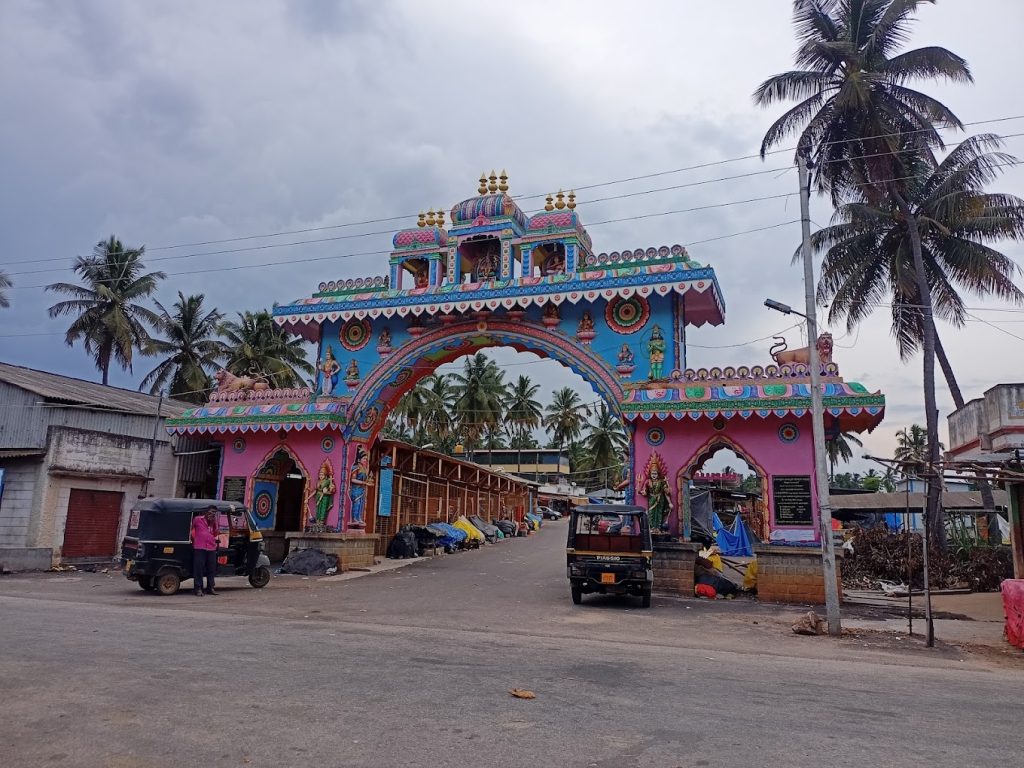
792 575
673 568
354 550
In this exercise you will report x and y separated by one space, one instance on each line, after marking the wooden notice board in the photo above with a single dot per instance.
791 500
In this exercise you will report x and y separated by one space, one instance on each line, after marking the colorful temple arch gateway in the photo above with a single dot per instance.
492 276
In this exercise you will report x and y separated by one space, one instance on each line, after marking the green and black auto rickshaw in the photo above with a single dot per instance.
156 551
610 551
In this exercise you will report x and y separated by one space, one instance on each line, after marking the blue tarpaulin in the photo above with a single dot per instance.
734 541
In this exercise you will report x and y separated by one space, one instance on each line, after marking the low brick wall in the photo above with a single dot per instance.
354 550
673 568
792 575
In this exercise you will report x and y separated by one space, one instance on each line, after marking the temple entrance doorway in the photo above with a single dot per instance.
279 493
722 487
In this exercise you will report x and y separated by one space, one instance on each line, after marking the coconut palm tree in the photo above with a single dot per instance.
563 417
259 347
108 319
479 395
838 449
866 130
605 443
5 282
190 348
523 412
912 449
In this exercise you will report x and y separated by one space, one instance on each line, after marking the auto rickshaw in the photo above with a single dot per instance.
609 551
157 548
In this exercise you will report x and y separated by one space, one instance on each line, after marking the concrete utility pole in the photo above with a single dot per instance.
828 555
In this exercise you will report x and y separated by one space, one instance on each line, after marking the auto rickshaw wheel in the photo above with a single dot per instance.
645 598
577 594
260 577
146 582
167 582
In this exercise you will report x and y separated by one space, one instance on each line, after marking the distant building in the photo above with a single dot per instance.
74 457
542 465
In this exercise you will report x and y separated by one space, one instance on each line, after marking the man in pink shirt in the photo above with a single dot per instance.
204 551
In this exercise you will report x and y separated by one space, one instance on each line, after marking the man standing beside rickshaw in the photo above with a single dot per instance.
204 551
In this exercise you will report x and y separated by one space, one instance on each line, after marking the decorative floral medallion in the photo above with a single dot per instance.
789 433
263 505
238 445
627 315
355 334
327 444
655 436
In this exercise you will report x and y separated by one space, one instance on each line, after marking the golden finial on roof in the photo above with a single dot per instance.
560 200
572 200
503 181
483 184
440 217
492 185
548 205
422 222
430 218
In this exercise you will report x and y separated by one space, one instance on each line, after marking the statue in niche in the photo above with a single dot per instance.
554 264
421 276
352 374
656 354
330 368
487 262
384 342
585 332
653 484
550 318
323 492
625 361
358 481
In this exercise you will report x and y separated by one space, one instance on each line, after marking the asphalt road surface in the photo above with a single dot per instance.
412 667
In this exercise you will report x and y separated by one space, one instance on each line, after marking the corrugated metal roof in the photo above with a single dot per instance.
53 386
897 502
20 453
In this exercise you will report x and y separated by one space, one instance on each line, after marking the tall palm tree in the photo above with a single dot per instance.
480 392
606 443
190 348
5 282
259 347
108 319
838 449
523 413
563 417
866 130
912 448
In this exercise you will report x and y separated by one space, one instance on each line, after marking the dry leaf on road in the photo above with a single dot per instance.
522 693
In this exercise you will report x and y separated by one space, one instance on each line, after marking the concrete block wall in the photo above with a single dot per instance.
792 575
353 550
673 569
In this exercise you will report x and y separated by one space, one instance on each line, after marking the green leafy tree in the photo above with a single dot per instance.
523 412
259 347
5 282
605 443
912 449
866 130
108 318
563 417
838 449
190 349
479 397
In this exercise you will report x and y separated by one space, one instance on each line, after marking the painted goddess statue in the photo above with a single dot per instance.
330 368
655 487
656 354
358 480
324 494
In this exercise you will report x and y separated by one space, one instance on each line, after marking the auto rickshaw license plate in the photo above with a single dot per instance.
607 578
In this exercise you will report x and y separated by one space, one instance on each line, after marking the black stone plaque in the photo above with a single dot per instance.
233 490
791 500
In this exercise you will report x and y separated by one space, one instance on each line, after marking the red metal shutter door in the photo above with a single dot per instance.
93 518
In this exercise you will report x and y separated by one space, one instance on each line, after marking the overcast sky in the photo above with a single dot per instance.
177 122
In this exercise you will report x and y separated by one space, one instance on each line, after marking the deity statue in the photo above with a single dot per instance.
324 493
550 317
554 264
330 368
421 277
358 481
656 354
487 264
653 484
384 341
625 355
586 322
352 372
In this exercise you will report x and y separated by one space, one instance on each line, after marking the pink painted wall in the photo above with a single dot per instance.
756 440
305 446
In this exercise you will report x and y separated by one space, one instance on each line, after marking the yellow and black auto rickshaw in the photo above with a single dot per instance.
609 551
157 548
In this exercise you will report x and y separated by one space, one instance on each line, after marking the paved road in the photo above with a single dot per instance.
412 667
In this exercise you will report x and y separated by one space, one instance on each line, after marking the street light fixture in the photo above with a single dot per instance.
785 309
